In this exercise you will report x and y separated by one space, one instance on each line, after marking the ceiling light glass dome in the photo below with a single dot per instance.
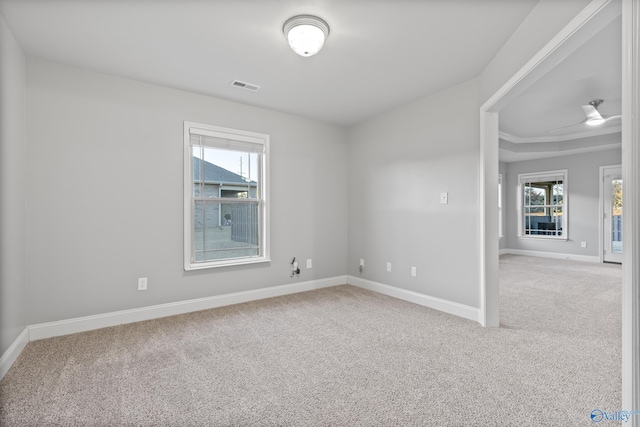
306 34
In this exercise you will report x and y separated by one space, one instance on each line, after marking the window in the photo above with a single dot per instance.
542 205
225 197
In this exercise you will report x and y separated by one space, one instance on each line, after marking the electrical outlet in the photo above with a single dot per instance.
361 266
414 272
361 262
388 266
309 264
142 283
583 244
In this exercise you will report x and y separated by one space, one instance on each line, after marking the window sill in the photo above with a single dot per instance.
225 263
542 237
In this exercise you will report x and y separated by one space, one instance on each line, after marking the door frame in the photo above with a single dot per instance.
578 30
601 228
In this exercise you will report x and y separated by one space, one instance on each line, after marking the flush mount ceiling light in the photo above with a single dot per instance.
306 34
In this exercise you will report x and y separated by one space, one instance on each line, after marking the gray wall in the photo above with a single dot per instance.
399 163
13 317
583 201
92 138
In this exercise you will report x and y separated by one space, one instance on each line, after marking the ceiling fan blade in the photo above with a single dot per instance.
591 112
607 118
593 116
568 126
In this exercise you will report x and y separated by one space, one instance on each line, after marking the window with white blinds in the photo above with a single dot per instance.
226 218
542 204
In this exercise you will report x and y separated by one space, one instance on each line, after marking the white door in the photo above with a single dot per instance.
612 214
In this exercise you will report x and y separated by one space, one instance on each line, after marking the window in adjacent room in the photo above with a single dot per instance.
226 219
543 205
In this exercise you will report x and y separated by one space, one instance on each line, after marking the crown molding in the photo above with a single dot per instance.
559 138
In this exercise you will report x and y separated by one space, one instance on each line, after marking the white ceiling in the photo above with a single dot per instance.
593 71
379 54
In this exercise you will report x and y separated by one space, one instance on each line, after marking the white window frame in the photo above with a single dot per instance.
237 138
563 175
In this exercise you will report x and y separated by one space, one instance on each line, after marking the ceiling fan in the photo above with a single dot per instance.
594 118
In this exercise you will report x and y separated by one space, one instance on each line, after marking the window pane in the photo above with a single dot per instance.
527 224
198 170
537 211
205 218
225 173
234 193
225 230
557 219
534 195
557 194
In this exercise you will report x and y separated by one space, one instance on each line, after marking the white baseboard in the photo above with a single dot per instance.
87 323
554 255
461 310
13 352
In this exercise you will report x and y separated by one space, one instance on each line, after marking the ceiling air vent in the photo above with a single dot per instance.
245 85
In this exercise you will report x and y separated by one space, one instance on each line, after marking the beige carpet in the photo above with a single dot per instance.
341 356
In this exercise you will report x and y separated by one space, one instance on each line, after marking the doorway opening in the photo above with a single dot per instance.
581 26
